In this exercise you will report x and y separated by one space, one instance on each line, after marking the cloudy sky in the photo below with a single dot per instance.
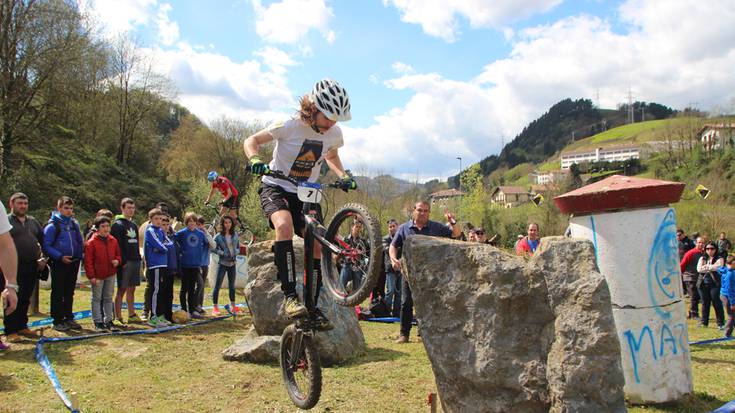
432 80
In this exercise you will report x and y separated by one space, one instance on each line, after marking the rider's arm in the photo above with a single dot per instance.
229 194
253 142
211 192
334 163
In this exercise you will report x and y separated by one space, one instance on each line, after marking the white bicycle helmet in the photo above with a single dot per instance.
331 99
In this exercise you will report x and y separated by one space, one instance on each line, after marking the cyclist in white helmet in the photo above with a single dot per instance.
302 144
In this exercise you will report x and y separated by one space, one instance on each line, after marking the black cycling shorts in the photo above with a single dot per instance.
232 203
274 198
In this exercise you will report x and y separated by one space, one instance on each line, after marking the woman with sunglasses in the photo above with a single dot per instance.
708 284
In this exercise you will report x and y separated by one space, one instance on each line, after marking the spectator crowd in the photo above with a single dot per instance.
112 251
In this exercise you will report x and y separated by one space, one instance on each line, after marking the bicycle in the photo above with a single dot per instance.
246 236
299 357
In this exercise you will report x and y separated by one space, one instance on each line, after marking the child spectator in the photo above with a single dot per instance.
101 258
174 269
192 245
228 246
205 262
156 257
727 293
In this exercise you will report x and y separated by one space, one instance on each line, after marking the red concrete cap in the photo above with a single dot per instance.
619 192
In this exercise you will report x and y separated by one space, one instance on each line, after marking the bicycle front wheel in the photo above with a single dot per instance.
357 235
301 368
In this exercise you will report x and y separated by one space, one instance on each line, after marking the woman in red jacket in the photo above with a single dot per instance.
101 258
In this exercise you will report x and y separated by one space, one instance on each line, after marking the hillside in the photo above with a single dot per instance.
567 122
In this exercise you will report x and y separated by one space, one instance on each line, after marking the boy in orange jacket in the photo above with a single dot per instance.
101 258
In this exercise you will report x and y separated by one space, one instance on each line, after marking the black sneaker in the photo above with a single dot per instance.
73 325
111 327
61 327
322 322
100 328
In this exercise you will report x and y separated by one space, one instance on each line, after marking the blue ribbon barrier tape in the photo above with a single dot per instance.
726 408
48 369
710 341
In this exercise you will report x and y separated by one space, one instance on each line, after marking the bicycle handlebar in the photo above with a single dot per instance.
280 175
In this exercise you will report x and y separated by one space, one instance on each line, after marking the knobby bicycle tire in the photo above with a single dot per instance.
372 272
308 365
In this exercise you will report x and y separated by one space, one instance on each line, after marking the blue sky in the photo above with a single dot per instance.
431 80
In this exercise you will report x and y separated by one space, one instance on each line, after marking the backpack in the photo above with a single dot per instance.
378 308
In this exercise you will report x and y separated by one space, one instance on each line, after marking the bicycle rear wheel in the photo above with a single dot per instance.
359 258
301 368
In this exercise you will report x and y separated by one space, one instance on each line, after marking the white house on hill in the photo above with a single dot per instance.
609 154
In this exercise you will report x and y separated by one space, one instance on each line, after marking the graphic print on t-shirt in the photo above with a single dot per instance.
310 152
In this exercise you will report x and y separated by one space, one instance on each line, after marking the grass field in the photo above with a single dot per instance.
183 371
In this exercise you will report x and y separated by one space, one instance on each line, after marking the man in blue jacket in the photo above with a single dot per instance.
62 242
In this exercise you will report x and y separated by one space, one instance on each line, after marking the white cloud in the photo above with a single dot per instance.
276 59
403 68
439 18
289 21
212 85
669 52
168 31
119 16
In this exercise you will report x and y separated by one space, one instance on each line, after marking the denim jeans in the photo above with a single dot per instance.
231 274
348 274
393 292
102 300
710 295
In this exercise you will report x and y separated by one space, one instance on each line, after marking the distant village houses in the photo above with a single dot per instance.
547 177
716 136
446 194
510 196
609 154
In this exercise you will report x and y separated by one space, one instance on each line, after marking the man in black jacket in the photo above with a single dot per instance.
27 234
128 273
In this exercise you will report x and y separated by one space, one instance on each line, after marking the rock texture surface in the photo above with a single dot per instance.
507 334
254 348
265 299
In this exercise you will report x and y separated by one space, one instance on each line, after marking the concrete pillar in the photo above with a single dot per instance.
634 232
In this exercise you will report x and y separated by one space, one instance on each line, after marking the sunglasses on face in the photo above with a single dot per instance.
710 248
479 233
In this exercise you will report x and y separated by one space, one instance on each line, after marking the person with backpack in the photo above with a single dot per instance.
63 244
101 259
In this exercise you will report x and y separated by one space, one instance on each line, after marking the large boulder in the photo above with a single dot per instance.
508 334
265 299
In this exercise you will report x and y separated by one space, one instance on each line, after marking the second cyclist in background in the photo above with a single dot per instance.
230 196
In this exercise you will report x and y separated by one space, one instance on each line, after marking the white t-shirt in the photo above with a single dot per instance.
4 222
300 151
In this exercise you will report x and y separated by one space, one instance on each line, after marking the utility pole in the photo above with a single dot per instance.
630 106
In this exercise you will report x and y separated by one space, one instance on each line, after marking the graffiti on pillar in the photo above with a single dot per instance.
663 271
662 341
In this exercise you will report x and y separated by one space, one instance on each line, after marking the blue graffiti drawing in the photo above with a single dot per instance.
594 238
663 336
663 265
